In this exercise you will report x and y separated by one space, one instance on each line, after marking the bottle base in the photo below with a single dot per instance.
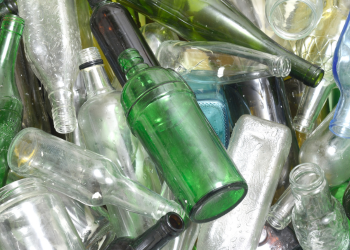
218 202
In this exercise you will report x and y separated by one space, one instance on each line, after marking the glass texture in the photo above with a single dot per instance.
103 124
267 144
318 48
82 174
52 41
224 62
11 106
31 217
155 34
29 88
115 31
155 238
340 124
163 114
266 99
293 19
216 20
318 218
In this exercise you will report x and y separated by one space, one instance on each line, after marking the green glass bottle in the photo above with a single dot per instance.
217 20
162 111
10 101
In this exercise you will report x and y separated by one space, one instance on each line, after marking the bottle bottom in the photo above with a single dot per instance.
218 202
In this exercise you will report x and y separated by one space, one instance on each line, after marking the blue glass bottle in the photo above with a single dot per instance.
211 100
340 125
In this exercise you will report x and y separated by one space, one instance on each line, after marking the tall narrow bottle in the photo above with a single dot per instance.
216 20
113 138
52 41
116 31
155 238
318 48
10 101
162 112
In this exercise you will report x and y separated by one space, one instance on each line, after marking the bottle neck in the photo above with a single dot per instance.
9 42
96 80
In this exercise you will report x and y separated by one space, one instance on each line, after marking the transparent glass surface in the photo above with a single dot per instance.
155 34
52 41
319 220
267 145
293 19
29 88
82 174
222 60
163 114
216 20
340 124
32 217
319 48
103 124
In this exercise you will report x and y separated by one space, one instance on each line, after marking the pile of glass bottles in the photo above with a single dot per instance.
174 124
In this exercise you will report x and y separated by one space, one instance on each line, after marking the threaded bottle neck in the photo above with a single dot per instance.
131 62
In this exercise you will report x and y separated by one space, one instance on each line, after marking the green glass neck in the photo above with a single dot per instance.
131 62
10 35
96 80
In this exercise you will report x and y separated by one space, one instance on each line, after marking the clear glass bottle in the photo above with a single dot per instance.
11 106
266 99
82 174
103 125
293 20
318 48
115 31
340 124
267 144
162 112
29 88
32 217
52 41
221 61
216 20
318 218
155 34
155 238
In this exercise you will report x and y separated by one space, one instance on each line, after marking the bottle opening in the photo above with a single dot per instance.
88 57
175 221
306 177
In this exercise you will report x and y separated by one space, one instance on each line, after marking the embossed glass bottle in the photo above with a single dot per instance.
216 20
267 145
115 31
340 124
52 41
167 228
318 218
32 217
318 48
163 114
82 174
10 101
103 124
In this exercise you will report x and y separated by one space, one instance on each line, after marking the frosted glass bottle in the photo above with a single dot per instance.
267 145
52 41
103 124
319 220
82 174
318 48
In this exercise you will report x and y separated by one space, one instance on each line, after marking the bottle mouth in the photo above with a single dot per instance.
303 125
306 177
281 67
13 23
340 129
275 221
175 222
89 57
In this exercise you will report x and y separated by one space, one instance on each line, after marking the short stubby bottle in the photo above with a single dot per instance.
163 113
318 218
